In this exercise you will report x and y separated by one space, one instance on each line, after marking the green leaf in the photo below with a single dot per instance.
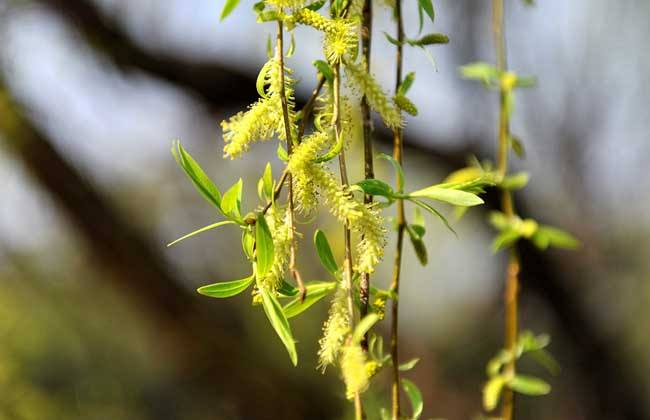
259 6
492 392
279 322
399 172
376 187
418 224
515 182
505 239
231 202
404 367
427 6
267 179
363 327
406 84
517 147
545 359
315 292
405 104
325 70
263 247
483 72
430 39
198 177
546 236
228 8
282 153
203 229
415 397
418 245
226 289
287 290
292 46
316 6
392 40
499 220
529 385
435 212
447 195
248 243
325 252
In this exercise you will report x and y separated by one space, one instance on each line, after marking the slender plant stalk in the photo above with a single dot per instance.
347 265
368 166
398 151
512 276
285 115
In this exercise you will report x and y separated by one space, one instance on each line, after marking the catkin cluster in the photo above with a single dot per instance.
264 119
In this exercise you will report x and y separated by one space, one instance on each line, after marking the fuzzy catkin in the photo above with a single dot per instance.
353 369
377 99
264 119
335 330
280 231
341 35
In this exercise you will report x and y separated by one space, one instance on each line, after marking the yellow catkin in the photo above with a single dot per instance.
263 120
377 99
353 369
305 189
341 35
286 4
335 330
279 226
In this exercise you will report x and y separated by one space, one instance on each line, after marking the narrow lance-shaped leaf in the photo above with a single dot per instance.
529 385
451 196
363 327
203 229
231 202
279 322
226 289
315 292
325 252
415 397
198 177
264 250
228 8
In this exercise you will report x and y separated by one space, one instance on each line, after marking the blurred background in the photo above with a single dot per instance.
99 320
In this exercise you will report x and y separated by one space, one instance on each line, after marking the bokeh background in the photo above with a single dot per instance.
99 320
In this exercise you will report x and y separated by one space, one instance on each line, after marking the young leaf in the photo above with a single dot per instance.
447 195
263 246
529 385
231 202
376 187
399 172
408 365
203 229
415 396
406 84
435 212
228 8
505 239
499 220
248 243
226 289
515 182
315 292
427 6
548 235
287 290
279 322
282 153
418 244
363 327
325 252
325 70
492 392
483 72
392 40
267 179
316 6
517 147
198 177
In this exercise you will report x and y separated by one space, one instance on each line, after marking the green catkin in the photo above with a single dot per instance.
335 329
377 99
263 120
353 369
341 35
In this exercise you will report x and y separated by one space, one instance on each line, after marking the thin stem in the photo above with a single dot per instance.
368 167
287 130
398 151
347 265
512 276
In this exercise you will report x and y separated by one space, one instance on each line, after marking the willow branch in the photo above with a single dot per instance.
398 151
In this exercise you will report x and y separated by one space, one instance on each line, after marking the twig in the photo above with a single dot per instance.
398 150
